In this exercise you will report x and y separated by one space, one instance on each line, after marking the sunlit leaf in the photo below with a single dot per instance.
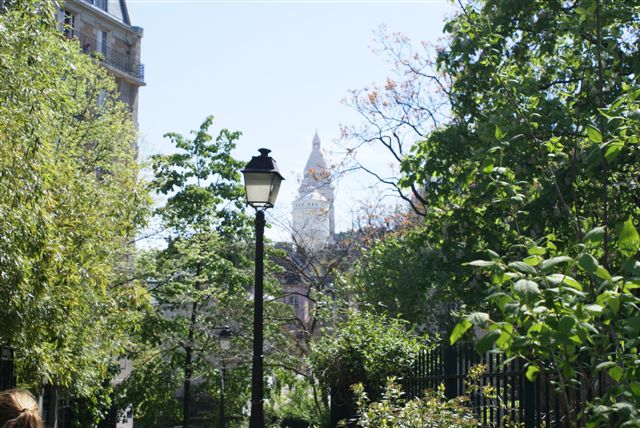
594 134
629 241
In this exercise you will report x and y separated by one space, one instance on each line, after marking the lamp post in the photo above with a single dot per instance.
225 343
262 182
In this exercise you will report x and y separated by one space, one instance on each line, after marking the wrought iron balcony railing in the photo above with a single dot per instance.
118 59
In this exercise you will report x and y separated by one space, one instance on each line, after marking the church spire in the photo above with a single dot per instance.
317 177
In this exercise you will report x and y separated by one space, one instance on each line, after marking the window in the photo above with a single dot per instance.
102 4
293 301
101 98
69 24
102 42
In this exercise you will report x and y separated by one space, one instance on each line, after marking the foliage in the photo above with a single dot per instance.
292 398
202 181
398 275
432 410
198 281
514 154
71 202
570 320
493 145
365 348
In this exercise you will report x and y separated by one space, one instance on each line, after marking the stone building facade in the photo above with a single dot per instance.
103 29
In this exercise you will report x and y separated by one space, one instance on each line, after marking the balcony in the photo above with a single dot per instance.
113 57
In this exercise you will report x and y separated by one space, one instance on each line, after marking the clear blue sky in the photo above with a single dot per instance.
276 71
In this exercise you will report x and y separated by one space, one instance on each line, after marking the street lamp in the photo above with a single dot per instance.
225 343
262 182
224 337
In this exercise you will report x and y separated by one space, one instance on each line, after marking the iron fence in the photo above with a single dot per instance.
500 393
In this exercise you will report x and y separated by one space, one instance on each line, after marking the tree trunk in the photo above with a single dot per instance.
188 369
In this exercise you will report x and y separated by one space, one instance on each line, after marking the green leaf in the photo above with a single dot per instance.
593 134
588 263
613 301
537 251
565 324
602 273
613 150
558 278
503 301
605 365
629 241
616 373
459 330
501 278
635 388
480 263
505 336
487 165
499 133
493 255
532 260
535 328
532 372
527 289
522 267
486 343
594 236
479 319
595 309
549 263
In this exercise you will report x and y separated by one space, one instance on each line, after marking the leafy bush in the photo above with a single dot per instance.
572 320
431 410
365 348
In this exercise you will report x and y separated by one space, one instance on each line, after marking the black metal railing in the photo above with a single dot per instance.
118 59
513 397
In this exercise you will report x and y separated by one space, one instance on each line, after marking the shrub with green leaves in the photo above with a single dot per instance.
431 410
568 317
365 348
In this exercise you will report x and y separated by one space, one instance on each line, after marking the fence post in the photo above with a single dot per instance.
7 376
450 358
341 405
529 403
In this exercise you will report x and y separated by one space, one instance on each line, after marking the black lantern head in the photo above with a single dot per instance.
262 180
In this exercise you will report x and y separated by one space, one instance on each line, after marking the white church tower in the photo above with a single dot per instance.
313 210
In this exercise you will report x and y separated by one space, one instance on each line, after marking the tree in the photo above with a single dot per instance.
199 280
71 202
528 158
399 275
519 148
363 348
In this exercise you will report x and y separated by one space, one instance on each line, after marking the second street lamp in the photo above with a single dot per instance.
262 183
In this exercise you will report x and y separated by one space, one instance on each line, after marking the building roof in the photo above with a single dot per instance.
316 172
